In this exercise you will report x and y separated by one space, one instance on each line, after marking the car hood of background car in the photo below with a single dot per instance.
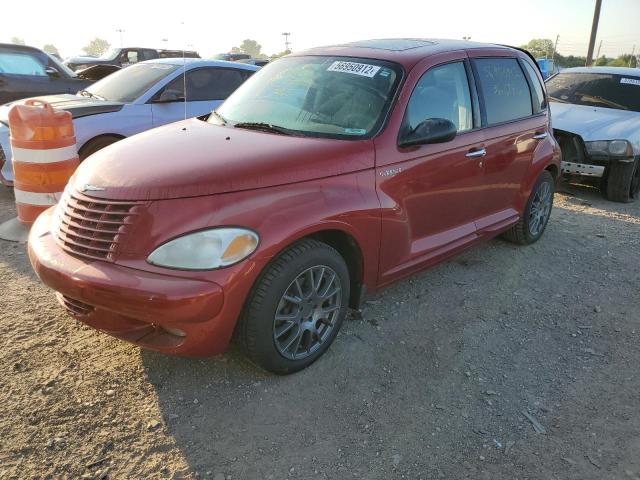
194 158
88 60
595 123
78 106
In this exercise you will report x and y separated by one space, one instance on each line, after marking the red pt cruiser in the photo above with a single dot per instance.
329 173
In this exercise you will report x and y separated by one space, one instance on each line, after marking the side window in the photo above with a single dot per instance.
504 88
442 92
132 56
206 84
149 55
20 64
539 102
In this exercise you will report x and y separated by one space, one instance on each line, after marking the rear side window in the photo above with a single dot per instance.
206 84
20 64
504 89
442 92
539 102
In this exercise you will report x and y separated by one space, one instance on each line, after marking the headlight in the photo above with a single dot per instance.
206 250
606 148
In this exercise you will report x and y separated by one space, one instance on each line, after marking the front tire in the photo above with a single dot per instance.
533 222
296 308
623 182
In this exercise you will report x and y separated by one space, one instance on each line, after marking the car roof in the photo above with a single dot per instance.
198 62
20 47
406 51
633 72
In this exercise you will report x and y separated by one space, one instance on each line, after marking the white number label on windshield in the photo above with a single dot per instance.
631 81
361 69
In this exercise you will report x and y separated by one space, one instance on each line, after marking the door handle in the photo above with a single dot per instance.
540 136
480 152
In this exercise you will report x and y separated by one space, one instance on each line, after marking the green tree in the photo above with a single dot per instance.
250 47
49 48
603 60
96 47
17 41
570 61
281 54
540 47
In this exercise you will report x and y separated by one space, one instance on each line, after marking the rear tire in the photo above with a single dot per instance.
294 299
95 144
533 222
623 182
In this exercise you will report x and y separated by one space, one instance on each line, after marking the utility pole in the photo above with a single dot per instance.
598 54
120 31
633 52
594 32
286 41
555 47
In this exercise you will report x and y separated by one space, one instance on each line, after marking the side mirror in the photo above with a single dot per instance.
169 96
432 130
52 72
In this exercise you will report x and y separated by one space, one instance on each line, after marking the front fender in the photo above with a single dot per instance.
280 215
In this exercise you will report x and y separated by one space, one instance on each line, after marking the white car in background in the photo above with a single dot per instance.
595 114
137 98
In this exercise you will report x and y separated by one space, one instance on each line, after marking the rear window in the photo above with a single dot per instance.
504 89
620 92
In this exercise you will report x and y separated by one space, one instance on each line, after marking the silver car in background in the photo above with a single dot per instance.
595 114
137 98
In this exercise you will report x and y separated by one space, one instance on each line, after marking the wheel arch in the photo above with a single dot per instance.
85 146
344 242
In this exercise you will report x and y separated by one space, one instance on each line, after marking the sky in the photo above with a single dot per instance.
212 27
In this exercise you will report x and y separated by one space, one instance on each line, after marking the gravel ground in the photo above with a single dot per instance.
445 375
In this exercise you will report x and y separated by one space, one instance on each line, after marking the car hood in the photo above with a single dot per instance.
77 105
81 60
595 123
193 158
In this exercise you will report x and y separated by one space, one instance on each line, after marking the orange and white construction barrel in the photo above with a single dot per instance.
44 153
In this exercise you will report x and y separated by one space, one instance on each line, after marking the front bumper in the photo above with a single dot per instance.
584 169
167 313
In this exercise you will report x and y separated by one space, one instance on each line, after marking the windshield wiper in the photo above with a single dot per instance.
265 127
604 101
556 99
87 93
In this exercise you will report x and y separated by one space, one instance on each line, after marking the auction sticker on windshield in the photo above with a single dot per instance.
361 69
630 81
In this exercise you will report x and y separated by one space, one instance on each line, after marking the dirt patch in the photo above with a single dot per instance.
444 375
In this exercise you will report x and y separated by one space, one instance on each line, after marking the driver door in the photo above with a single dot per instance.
430 194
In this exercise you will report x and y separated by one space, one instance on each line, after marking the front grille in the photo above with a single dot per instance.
75 307
3 158
93 228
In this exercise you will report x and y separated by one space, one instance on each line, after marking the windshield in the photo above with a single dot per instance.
110 54
128 84
607 90
335 97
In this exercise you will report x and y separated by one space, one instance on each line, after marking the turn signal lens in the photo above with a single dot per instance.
239 248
